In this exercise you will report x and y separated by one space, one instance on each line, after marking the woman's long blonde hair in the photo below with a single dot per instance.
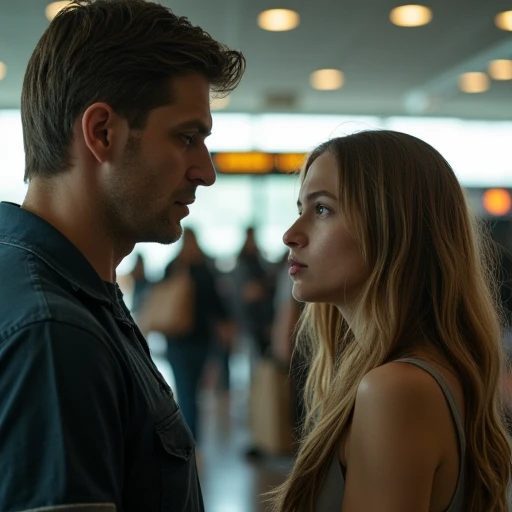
431 281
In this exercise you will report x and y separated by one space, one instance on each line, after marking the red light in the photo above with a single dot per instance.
497 201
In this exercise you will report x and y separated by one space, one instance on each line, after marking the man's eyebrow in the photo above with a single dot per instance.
315 195
195 124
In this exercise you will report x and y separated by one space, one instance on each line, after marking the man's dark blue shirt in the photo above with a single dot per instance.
85 416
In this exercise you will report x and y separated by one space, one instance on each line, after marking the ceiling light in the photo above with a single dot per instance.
473 82
219 103
411 15
503 20
326 79
278 20
54 8
3 70
501 69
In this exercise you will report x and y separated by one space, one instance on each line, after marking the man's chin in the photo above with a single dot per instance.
170 238
165 236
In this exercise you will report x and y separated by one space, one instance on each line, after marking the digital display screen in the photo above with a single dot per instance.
257 162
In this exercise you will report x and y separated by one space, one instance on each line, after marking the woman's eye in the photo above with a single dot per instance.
321 209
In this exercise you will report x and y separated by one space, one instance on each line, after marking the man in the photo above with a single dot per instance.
115 112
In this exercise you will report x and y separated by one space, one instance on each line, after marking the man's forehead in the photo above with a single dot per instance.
175 116
199 124
192 113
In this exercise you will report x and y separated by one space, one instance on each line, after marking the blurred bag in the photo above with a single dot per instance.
271 406
170 307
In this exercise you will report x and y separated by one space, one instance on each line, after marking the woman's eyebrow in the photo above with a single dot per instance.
315 195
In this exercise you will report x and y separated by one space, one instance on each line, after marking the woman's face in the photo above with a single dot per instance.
326 263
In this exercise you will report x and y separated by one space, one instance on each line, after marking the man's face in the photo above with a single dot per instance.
147 194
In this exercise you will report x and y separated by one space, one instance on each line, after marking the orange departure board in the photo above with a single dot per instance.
257 162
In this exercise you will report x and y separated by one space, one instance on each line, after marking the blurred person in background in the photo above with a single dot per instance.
402 326
187 352
287 313
134 285
254 305
140 284
115 111
254 291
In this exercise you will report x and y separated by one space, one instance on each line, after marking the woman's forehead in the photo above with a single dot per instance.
322 174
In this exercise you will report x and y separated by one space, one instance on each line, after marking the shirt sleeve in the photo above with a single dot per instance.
63 408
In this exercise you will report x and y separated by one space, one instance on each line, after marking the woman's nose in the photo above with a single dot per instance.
294 237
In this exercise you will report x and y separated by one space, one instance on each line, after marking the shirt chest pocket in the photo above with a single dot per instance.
176 453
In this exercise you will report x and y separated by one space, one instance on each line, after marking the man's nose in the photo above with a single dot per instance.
203 171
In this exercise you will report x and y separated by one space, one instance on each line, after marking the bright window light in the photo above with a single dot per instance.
230 132
220 103
301 133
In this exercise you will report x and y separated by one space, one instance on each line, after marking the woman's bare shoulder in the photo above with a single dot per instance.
397 380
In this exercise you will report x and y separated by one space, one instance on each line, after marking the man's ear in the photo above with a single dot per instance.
101 127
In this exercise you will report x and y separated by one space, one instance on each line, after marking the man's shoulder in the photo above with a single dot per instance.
31 293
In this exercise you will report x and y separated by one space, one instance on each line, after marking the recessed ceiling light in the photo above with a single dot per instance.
503 20
54 8
3 70
278 20
411 15
326 79
501 69
219 103
474 82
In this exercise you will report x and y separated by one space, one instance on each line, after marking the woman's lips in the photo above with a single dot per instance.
296 266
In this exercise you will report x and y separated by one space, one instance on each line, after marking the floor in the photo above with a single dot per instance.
230 481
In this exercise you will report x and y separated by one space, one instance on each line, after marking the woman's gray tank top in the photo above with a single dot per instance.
331 496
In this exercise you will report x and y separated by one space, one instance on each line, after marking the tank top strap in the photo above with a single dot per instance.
447 392
457 502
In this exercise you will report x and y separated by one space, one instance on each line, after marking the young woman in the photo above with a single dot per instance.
403 328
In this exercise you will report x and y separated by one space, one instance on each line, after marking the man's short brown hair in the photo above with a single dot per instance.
121 52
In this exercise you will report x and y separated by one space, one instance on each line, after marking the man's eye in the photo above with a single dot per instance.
188 138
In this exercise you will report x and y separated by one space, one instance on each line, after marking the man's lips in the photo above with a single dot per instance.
186 202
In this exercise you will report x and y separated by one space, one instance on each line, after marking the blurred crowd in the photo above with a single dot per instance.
203 313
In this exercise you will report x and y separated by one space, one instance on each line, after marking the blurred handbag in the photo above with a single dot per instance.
170 306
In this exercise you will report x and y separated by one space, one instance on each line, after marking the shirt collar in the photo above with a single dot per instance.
21 228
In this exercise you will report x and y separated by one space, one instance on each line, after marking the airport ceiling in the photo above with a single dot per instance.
388 70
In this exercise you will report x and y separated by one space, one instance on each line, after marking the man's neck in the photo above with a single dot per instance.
68 207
